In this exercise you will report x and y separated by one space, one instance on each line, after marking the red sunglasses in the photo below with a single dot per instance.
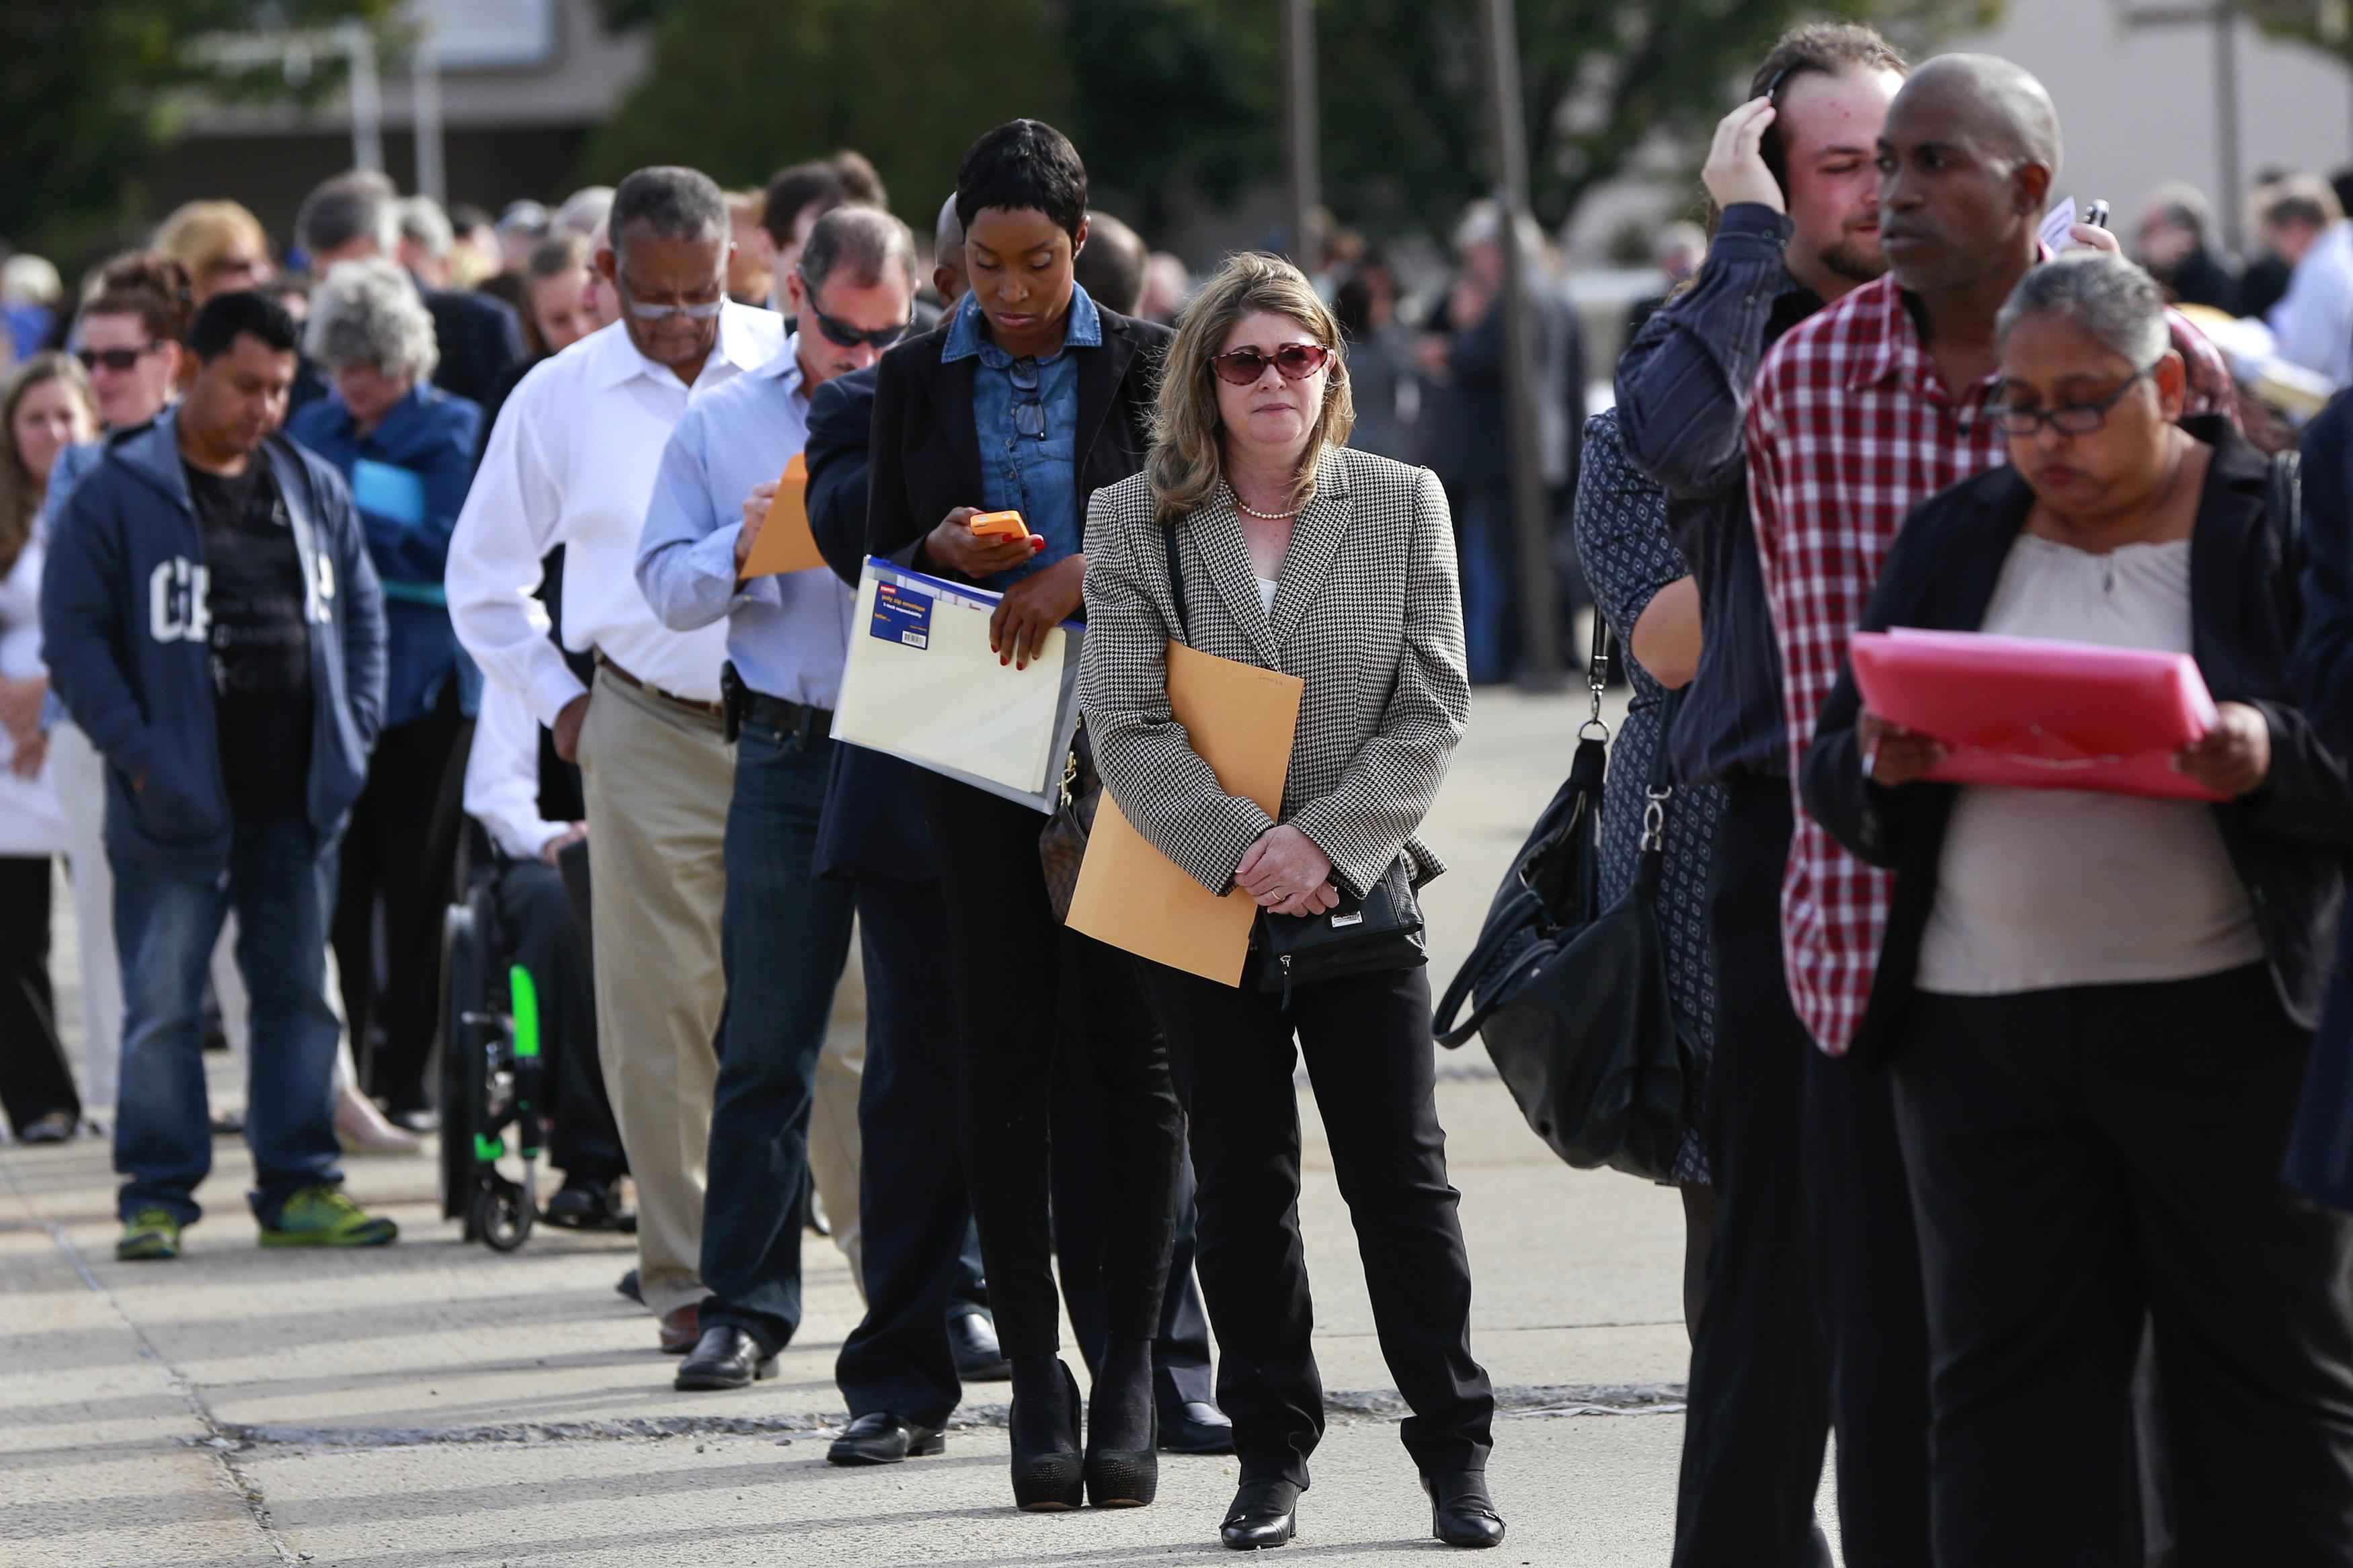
1297 362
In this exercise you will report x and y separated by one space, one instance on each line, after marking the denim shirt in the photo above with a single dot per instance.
1026 413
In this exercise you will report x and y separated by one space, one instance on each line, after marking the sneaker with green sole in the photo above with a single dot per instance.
148 1235
322 1217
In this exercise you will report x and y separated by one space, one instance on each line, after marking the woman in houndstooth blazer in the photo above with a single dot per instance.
1338 567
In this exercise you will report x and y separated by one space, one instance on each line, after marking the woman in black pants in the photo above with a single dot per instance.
1296 555
2099 1006
1029 397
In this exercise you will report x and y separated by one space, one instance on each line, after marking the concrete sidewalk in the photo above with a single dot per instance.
435 1403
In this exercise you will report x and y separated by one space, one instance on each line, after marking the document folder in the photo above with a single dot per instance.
921 684
785 542
1241 720
2027 713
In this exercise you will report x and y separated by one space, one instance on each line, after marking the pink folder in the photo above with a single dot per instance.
2033 714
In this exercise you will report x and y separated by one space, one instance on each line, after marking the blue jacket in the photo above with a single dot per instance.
419 460
122 609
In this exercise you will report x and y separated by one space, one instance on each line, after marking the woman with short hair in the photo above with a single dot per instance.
2097 1006
223 246
1296 554
408 449
46 408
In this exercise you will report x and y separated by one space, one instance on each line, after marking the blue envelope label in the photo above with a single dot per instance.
901 615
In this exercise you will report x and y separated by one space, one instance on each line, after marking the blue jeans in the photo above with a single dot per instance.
282 888
784 936
1490 569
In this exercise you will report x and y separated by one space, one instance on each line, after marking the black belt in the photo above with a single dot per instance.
793 718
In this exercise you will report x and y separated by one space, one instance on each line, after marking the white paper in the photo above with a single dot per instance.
2055 225
949 705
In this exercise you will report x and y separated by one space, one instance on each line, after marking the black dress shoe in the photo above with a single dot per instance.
1048 1475
878 1438
627 1286
1265 1513
1461 1511
1194 1426
724 1357
978 1357
584 1202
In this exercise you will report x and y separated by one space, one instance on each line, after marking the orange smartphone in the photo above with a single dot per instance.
1007 524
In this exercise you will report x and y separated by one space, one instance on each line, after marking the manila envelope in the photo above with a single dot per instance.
785 544
1241 720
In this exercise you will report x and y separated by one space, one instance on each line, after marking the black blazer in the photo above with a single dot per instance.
927 449
2287 840
481 340
873 823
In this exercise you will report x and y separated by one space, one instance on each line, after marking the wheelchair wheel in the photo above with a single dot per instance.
501 1216
462 1067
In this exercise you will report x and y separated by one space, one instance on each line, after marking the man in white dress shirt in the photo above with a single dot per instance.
572 463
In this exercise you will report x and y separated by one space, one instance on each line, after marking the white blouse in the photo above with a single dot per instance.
31 820
2040 888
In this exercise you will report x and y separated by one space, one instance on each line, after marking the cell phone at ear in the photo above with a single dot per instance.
999 525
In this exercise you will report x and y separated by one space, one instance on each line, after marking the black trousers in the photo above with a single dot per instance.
2082 1158
34 1079
912 1210
1180 1350
1366 1043
1007 967
535 915
1759 1398
401 852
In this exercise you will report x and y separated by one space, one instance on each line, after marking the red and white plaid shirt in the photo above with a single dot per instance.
1850 428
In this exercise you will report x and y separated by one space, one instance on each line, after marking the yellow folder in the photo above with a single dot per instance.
785 544
1241 720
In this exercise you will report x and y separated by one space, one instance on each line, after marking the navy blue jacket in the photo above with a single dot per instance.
429 435
873 823
1682 397
123 617
2287 840
481 340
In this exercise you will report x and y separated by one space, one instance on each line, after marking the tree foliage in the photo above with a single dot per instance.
2324 24
90 91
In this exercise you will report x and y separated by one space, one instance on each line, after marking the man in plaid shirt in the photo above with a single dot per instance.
1854 420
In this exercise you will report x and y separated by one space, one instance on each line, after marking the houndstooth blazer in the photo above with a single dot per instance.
1367 611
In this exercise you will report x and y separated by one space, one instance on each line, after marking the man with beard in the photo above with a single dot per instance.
1792 173
1857 415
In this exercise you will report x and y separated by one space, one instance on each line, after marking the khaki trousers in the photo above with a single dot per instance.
657 779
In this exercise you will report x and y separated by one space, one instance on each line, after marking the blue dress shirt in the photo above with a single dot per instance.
408 479
786 633
1026 412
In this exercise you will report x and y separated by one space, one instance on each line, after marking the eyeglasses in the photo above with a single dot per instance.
116 360
1029 410
645 313
1297 362
2076 419
840 333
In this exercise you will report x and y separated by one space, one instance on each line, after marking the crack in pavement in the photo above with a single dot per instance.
1539 1400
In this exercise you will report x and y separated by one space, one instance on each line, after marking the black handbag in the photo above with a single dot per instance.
1572 999
1356 936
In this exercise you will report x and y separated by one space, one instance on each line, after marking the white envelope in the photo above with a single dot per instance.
920 683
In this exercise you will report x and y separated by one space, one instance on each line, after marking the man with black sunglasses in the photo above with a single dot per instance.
786 932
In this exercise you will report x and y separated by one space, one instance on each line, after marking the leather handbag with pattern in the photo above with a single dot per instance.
1572 999
1063 842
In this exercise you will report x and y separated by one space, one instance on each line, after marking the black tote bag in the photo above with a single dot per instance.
1572 999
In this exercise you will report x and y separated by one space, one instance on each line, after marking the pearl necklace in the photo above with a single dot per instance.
1244 506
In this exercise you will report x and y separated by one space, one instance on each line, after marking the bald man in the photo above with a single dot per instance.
1857 415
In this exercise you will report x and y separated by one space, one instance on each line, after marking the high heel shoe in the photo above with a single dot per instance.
1048 1475
362 1129
1123 1478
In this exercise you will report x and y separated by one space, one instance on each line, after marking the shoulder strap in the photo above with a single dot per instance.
1175 580
2283 509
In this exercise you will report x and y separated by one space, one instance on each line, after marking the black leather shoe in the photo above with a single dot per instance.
627 1286
584 1202
1265 1513
1461 1511
724 1357
1048 1476
1194 1426
978 1357
880 1437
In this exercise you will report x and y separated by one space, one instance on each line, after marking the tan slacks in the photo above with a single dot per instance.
658 778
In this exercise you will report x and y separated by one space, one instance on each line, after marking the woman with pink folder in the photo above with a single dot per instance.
2097 1006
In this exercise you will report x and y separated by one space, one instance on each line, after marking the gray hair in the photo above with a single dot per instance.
866 241
348 208
584 211
2111 300
673 202
424 224
368 312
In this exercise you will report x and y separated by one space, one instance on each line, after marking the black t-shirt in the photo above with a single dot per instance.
260 641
